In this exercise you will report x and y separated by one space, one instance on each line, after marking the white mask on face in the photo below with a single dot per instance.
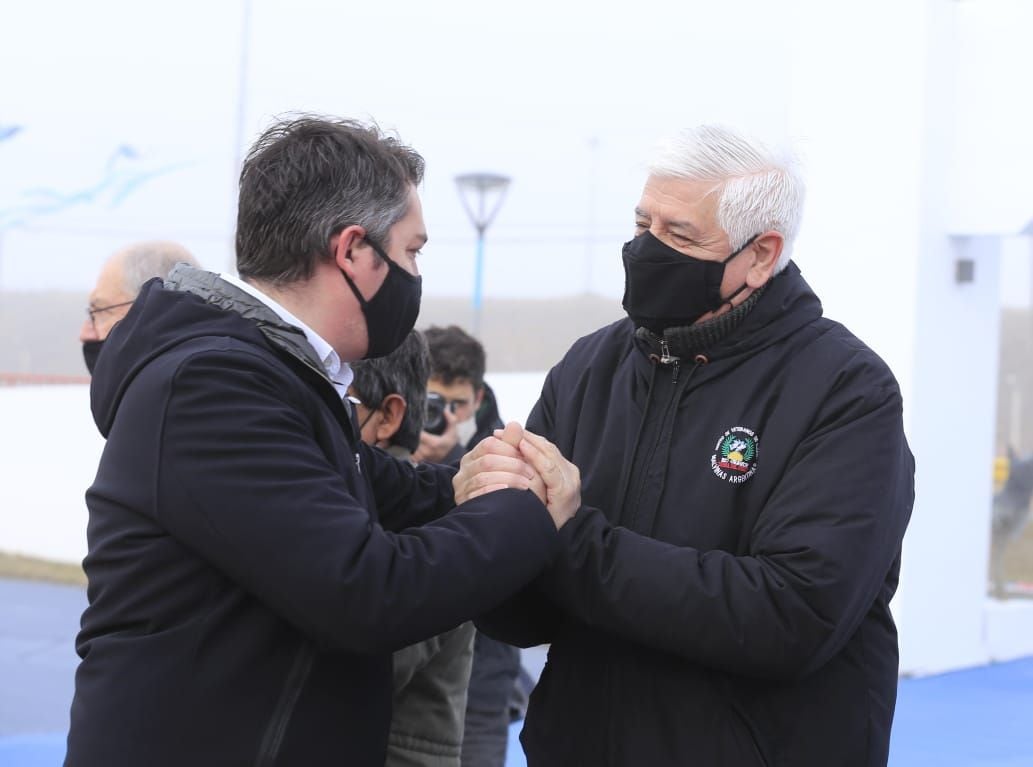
465 430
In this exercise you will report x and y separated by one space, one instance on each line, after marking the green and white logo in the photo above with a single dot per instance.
735 455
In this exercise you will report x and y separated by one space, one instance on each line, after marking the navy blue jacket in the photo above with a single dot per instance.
723 595
252 565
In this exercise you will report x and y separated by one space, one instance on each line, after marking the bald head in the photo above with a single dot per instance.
121 278
143 261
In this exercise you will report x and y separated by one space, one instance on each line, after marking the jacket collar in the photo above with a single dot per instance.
783 305
691 341
214 290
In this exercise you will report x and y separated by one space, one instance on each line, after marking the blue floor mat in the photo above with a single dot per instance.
32 750
981 717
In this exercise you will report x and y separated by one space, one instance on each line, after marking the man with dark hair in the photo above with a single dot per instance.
252 564
457 364
390 396
119 283
430 677
457 370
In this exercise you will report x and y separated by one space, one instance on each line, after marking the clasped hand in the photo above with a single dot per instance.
515 457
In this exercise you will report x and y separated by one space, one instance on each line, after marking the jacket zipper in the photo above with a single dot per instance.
274 733
667 359
664 427
625 486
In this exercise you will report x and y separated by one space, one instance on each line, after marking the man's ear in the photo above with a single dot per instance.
478 397
344 246
766 249
393 409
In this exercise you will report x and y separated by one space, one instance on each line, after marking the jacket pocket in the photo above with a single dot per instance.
277 727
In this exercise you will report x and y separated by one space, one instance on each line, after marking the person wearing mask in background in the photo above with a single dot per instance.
722 597
252 564
118 284
498 685
430 677
457 365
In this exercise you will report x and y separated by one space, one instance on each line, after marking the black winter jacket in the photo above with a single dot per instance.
248 572
723 596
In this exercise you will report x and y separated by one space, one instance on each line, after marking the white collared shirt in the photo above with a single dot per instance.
340 373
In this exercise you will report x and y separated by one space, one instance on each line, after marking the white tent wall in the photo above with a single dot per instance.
884 236
49 451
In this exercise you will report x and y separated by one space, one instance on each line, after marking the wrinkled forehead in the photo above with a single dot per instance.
687 202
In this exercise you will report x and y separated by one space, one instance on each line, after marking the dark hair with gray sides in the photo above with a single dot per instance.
305 180
404 371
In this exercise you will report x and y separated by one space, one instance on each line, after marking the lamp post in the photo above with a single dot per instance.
482 195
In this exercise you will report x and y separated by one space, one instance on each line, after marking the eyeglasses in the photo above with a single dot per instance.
92 313
356 402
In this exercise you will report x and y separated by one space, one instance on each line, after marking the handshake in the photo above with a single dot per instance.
517 458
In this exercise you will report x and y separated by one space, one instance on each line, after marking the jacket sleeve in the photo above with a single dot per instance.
245 485
407 495
818 557
529 617
431 681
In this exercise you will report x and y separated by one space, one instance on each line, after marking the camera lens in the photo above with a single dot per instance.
434 422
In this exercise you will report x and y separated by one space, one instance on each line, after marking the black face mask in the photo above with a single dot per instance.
90 352
664 288
391 313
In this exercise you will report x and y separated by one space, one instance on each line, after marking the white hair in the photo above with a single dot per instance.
761 188
143 261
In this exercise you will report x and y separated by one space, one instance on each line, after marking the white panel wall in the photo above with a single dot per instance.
857 92
952 420
49 449
876 98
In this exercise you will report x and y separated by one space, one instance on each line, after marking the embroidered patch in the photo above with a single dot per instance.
735 455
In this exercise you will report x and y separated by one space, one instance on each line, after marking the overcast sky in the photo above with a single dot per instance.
122 120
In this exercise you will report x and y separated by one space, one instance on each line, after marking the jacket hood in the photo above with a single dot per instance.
190 304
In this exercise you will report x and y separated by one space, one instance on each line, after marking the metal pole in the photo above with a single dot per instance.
478 273
481 185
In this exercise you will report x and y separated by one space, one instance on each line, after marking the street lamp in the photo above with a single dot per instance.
482 195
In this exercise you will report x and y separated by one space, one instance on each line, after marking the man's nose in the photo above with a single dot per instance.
87 332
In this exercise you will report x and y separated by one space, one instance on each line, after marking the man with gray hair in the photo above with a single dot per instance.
723 593
119 283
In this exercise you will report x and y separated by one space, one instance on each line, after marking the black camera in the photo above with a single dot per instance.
434 422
